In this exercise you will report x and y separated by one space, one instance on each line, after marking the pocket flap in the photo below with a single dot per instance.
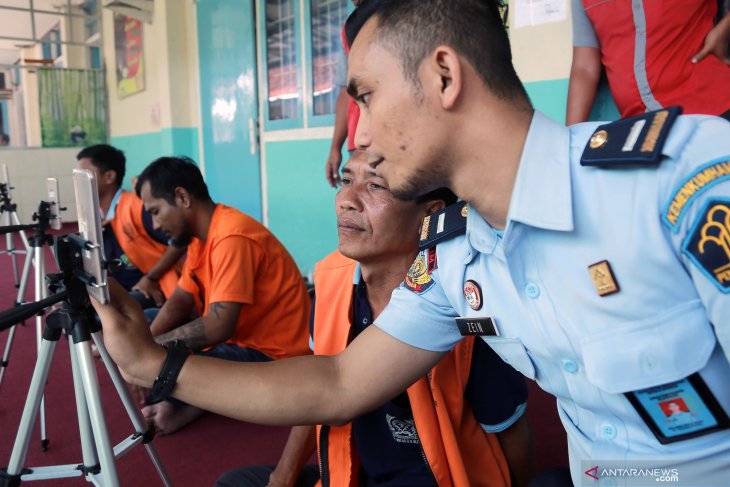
514 353
650 352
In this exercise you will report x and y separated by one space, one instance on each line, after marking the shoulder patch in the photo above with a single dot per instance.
419 278
703 178
708 243
443 225
632 141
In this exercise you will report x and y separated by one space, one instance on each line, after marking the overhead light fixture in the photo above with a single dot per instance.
142 10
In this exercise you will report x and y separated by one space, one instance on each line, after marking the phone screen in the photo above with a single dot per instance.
55 202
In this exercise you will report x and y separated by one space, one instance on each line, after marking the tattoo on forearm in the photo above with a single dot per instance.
193 334
216 307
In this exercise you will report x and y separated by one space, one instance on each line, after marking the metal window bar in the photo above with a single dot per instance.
281 59
327 19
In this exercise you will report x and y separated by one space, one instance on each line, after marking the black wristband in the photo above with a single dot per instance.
177 353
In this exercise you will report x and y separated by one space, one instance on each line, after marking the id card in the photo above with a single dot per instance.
679 410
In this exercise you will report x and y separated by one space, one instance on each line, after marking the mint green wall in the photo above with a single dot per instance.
550 97
142 149
301 203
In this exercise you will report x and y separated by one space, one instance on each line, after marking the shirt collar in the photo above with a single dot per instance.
542 195
358 275
113 206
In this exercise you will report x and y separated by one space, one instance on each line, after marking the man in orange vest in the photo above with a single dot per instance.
241 281
149 262
476 435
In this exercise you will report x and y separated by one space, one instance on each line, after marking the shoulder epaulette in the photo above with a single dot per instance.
443 225
632 141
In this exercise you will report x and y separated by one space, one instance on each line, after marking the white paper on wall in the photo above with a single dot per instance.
535 12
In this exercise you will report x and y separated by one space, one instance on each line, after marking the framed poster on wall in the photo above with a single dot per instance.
129 54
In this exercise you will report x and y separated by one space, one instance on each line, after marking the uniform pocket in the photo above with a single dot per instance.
514 353
650 352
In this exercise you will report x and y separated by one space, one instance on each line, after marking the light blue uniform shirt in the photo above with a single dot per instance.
585 349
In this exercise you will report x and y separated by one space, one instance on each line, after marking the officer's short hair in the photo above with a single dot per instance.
105 158
168 173
412 29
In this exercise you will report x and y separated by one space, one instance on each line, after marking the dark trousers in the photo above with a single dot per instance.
726 115
258 476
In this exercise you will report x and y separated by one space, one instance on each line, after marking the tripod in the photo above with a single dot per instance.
9 216
36 258
75 319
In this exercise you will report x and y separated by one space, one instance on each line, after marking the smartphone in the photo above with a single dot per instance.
55 202
87 207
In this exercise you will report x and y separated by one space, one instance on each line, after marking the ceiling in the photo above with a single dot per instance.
18 24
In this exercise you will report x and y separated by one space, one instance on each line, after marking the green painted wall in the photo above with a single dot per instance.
142 149
550 97
301 203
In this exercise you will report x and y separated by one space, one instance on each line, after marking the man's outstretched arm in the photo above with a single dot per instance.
301 390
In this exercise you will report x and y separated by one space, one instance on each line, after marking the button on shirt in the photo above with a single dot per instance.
553 326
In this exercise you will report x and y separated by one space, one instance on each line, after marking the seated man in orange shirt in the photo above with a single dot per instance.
150 269
241 281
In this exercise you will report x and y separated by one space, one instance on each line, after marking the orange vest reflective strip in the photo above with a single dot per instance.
459 452
137 244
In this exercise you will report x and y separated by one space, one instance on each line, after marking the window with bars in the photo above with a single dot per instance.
327 18
281 60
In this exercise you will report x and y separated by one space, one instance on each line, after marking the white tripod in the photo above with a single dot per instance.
76 320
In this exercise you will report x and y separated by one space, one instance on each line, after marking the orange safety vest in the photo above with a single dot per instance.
459 452
137 244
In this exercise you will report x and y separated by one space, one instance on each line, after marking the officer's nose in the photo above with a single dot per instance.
362 133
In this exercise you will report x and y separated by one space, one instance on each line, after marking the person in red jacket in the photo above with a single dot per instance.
149 263
477 436
346 115
656 54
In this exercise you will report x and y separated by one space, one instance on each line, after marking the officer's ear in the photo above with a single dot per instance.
432 206
182 197
443 73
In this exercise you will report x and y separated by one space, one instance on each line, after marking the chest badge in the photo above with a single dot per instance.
603 278
473 295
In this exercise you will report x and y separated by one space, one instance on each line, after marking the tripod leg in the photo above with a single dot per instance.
32 403
6 354
24 277
10 246
135 415
88 449
96 413
40 293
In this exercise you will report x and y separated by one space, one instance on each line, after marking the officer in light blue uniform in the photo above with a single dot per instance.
609 287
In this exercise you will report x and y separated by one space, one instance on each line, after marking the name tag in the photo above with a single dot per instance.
679 410
481 327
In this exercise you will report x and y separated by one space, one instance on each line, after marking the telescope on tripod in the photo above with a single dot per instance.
82 272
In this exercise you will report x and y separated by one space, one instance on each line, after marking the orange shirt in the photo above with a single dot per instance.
241 261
